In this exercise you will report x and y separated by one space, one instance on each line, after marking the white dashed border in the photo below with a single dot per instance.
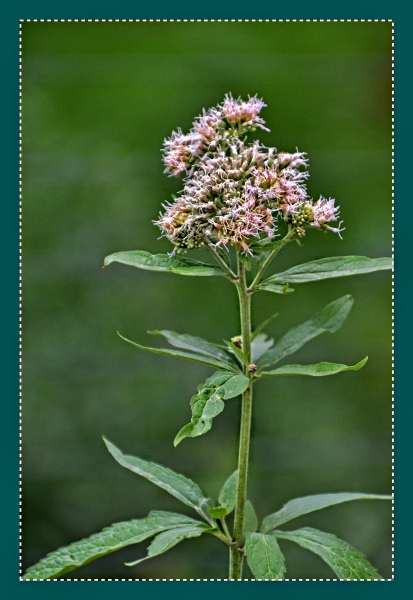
20 245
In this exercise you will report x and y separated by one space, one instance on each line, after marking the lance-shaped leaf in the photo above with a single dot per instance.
228 492
325 268
226 499
208 402
195 344
275 287
329 319
259 345
200 358
319 370
106 541
168 539
346 561
264 556
176 484
163 262
251 520
302 506
238 353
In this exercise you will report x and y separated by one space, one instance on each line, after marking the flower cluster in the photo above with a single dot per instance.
234 192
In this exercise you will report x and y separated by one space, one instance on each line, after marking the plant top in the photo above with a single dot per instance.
235 191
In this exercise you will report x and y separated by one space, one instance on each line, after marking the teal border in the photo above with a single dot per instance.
11 13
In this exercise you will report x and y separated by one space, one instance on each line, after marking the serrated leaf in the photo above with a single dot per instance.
208 403
319 370
250 521
168 539
108 540
345 561
177 485
259 345
228 492
262 325
195 344
163 262
330 318
264 557
302 506
200 358
325 268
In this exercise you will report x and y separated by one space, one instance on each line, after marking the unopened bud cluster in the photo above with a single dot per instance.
234 191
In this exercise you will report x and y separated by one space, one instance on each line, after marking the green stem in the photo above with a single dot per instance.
225 528
221 261
236 551
287 238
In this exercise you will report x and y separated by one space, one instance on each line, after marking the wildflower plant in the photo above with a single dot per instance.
244 202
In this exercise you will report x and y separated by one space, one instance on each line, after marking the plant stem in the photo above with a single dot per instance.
221 261
287 238
225 528
236 552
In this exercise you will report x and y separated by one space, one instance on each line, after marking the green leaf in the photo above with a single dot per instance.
259 345
228 492
260 327
200 358
168 539
275 287
106 541
238 353
205 405
302 506
346 561
245 260
234 386
267 245
219 377
325 268
208 402
251 521
218 512
163 262
177 485
329 319
264 557
318 370
195 344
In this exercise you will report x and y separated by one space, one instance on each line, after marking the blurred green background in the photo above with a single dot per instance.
98 99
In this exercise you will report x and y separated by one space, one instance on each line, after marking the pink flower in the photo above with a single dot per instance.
324 211
241 111
235 191
179 150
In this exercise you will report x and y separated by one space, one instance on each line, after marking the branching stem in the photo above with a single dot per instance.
287 238
221 261
225 528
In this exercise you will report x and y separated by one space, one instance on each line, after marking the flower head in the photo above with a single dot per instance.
241 111
234 191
